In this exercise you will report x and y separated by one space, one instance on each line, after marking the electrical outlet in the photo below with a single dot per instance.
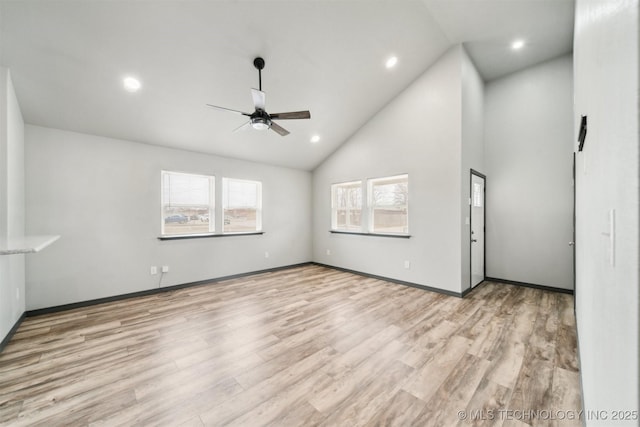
165 268
407 264
153 270
328 251
266 254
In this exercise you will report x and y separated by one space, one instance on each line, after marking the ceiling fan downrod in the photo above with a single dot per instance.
259 64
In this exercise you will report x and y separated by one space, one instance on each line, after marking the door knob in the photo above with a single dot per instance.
572 243
474 240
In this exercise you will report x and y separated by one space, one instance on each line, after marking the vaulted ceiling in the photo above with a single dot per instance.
68 59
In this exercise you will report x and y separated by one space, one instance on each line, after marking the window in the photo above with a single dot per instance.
389 205
187 203
241 205
477 195
346 206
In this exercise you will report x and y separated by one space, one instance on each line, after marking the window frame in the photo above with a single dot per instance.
211 205
367 216
215 209
371 207
334 208
224 202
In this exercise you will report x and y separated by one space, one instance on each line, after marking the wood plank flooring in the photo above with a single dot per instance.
304 346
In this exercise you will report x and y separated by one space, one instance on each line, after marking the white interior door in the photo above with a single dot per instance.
477 228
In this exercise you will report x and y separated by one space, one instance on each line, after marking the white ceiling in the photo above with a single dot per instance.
487 28
68 58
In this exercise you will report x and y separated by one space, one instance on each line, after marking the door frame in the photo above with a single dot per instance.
484 241
573 237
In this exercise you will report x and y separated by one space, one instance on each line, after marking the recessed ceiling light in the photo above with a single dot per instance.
315 138
131 84
391 62
517 44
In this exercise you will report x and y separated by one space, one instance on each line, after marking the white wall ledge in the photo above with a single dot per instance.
25 244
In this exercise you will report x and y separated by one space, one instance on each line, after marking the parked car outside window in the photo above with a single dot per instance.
182 219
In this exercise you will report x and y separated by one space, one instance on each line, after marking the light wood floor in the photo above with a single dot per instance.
299 347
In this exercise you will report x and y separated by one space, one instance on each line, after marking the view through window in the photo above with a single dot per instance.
187 203
346 203
389 205
242 205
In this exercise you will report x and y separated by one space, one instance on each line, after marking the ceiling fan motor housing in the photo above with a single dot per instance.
260 120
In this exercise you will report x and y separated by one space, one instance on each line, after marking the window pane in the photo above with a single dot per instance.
477 195
242 205
389 204
347 206
187 203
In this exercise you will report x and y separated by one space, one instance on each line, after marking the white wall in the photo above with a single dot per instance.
528 158
472 154
103 197
606 90
12 205
419 133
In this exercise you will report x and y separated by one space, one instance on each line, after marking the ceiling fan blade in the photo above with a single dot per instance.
291 115
244 126
259 99
279 129
228 109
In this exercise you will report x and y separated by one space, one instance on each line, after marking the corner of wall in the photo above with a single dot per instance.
472 153
12 267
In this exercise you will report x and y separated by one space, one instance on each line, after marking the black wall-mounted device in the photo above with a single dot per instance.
583 132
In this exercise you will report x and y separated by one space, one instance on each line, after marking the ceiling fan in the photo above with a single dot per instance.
260 119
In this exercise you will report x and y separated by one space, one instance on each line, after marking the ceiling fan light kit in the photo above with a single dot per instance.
260 124
260 119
